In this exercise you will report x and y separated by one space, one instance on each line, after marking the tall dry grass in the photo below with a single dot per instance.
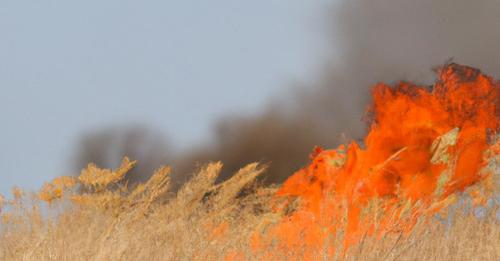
96 217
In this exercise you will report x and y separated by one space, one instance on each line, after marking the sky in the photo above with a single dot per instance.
67 67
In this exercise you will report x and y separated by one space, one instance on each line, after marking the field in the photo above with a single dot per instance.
423 186
211 223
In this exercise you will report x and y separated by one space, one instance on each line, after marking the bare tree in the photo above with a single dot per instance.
106 147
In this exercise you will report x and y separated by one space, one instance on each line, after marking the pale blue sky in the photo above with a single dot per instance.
67 67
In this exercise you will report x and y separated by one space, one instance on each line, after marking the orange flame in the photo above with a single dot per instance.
424 144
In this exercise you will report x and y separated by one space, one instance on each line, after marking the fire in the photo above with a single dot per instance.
424 145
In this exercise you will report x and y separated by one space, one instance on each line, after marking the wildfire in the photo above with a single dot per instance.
424 145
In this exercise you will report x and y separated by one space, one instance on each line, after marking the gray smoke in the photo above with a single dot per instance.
394 40
370 41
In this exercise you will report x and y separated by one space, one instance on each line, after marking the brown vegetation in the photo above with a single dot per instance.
202 221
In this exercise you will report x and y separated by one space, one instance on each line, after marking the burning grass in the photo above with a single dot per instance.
414 190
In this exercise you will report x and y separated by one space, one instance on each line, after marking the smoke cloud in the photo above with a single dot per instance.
372 41
369 41
394 40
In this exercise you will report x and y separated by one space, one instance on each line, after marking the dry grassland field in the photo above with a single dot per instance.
423 186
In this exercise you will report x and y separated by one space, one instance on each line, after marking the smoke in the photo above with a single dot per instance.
394 40
269 138
372 41
369 41
389 40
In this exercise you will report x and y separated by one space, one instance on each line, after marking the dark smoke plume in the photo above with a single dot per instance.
394 40
369 41
372 41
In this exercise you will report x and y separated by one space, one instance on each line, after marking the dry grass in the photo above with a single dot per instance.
95 218
465 238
